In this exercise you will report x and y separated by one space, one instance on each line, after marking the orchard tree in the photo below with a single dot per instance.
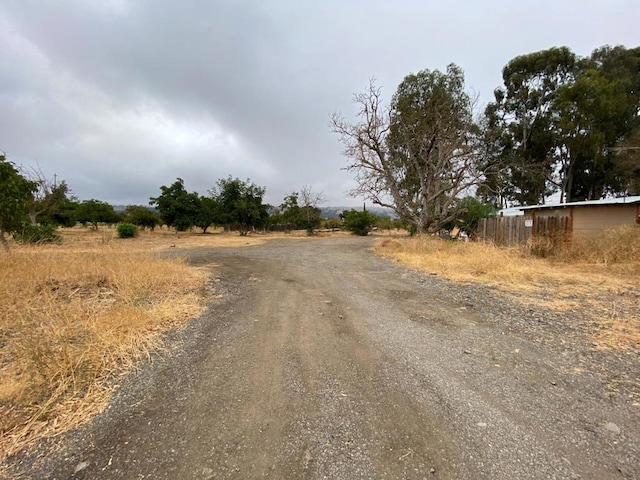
178 208
358 223
311 215
419 155
209 213
16 193
142 216
58 207
300 210
289 212
95 212
241 203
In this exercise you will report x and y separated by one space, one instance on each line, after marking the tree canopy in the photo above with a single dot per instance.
558 124
177 207
95 212
17 192
419 154
241 203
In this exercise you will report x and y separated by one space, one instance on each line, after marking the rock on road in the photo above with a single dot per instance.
323 361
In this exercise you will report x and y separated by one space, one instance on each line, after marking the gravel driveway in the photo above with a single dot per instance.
321 360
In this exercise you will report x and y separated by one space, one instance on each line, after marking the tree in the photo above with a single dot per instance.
289 211
14 199
141 216
557 124
310 212
95 212
178 208
209 213
300 210
59 207
595 112
419 155
358 223
626 163
521 119
241 203
474 210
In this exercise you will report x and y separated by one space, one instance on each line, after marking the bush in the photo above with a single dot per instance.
37 234
358 223
127 230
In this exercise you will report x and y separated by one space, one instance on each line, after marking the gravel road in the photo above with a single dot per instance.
321 360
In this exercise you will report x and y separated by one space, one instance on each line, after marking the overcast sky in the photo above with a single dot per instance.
119 97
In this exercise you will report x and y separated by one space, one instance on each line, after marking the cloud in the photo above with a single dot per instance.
119 97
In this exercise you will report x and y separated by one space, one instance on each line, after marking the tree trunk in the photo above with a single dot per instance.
3 241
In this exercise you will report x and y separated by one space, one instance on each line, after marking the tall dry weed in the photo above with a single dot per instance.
615 246
603 273
73 319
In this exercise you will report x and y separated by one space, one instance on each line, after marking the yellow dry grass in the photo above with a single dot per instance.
74 317
603 273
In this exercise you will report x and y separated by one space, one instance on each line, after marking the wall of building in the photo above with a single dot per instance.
588 221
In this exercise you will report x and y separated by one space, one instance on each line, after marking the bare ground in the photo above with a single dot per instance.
322 361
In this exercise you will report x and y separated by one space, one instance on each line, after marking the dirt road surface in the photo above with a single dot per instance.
322 361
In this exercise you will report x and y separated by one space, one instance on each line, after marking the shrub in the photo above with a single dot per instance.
127 230
358 223
37 234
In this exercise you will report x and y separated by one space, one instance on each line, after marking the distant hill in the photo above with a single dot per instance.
334 212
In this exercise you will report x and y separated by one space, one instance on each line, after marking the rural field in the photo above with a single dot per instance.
283 356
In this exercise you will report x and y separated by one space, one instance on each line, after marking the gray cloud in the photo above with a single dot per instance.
119 97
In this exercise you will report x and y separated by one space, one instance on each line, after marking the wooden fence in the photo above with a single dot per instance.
510 231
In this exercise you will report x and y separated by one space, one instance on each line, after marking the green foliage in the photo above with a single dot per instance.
359 223
177 207
52 204
94 212
127 230
332 223
422 154
141 216
559 123
209 213
37 234
241 204
16 192
295 217
473 210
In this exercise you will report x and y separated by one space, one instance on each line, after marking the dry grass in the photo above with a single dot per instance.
603 274
74 317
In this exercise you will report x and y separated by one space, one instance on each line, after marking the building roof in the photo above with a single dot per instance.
603 201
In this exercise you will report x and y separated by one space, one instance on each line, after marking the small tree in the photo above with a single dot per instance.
141 216
58 207
15 194
473 210
209 213
178 208
95 212
241 203
358 223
